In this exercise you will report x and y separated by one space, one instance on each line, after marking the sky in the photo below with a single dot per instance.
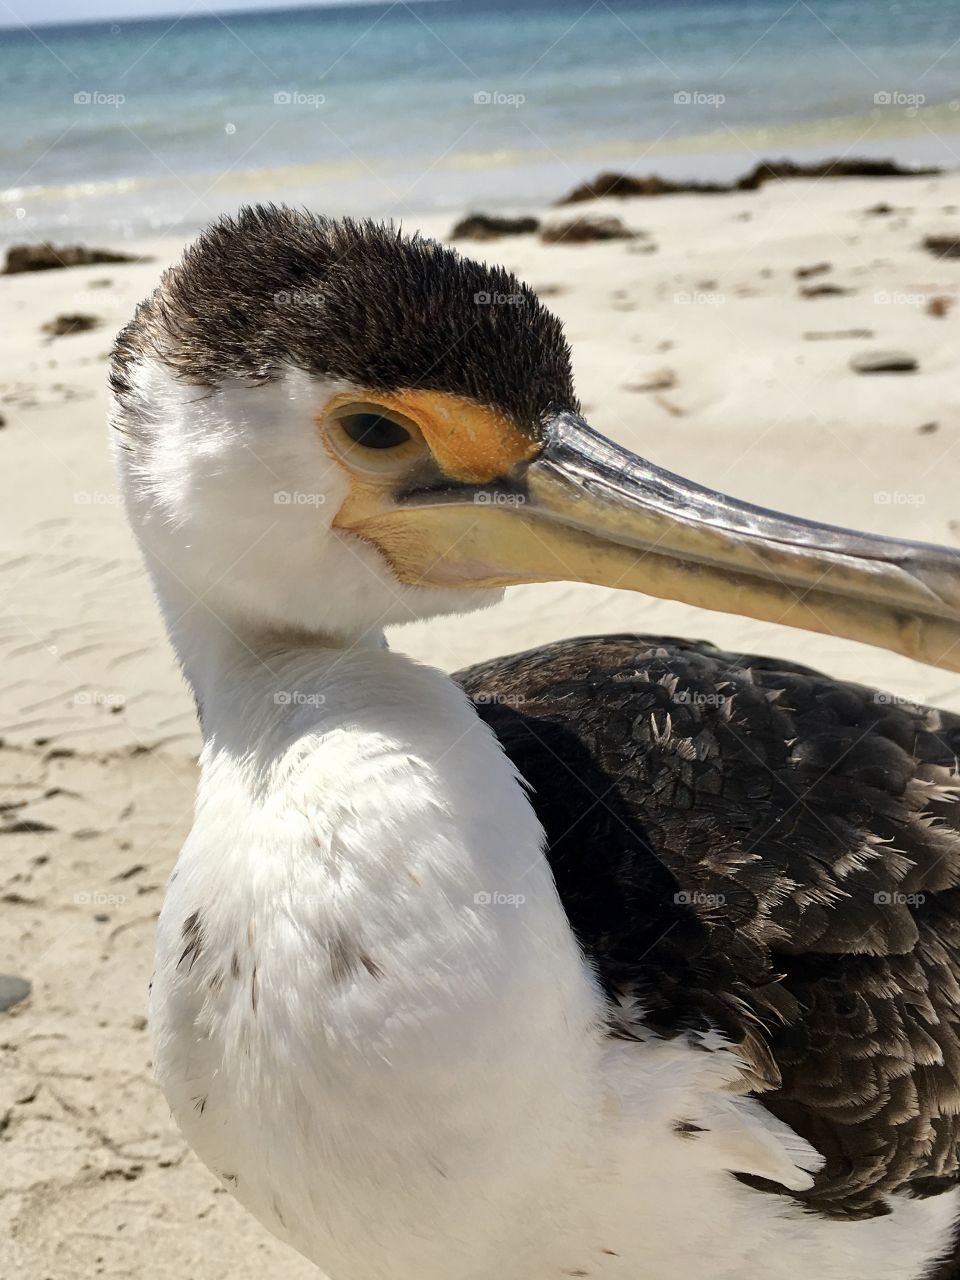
40 12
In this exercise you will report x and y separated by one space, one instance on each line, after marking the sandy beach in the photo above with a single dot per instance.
720 342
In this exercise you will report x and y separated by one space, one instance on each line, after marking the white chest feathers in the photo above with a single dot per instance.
372 1022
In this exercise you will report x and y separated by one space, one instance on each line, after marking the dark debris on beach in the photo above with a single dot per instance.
63 326
625 184
491 226
945 246
584 230
13 989
48 257
872 362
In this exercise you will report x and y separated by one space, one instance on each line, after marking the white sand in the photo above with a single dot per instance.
99 1181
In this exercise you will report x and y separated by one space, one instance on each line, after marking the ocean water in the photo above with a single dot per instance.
139 127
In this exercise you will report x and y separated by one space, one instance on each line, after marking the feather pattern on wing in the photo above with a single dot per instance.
745 845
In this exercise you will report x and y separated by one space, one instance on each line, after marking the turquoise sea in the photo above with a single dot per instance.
135 127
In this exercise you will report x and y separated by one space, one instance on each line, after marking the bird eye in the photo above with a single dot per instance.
374 431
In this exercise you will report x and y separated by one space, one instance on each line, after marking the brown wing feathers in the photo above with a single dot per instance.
746 844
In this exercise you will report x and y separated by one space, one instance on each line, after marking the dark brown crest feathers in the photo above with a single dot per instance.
274 288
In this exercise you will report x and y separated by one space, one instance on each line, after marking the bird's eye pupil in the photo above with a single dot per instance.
374 431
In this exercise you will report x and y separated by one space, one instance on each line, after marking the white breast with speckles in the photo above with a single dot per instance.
371 1021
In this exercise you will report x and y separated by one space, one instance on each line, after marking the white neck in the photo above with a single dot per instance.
220 654
386 760
378 919
282 710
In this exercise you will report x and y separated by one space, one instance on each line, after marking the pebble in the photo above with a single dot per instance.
582 230
823 335
818 269
939 306
74 322
485 226
824 291
946 246
12 990
884 362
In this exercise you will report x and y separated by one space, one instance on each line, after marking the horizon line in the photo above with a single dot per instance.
208 11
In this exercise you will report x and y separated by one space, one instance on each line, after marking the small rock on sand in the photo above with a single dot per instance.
818 269
947 246
62 326
939 306
658 380
12 990
824 291
884 362
829 335
25 827
584 230
487 226
47 257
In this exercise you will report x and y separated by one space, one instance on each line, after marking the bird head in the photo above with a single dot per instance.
324 427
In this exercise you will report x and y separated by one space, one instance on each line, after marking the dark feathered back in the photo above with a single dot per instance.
744 844
275 287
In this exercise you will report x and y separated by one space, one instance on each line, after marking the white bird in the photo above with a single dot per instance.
624 959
